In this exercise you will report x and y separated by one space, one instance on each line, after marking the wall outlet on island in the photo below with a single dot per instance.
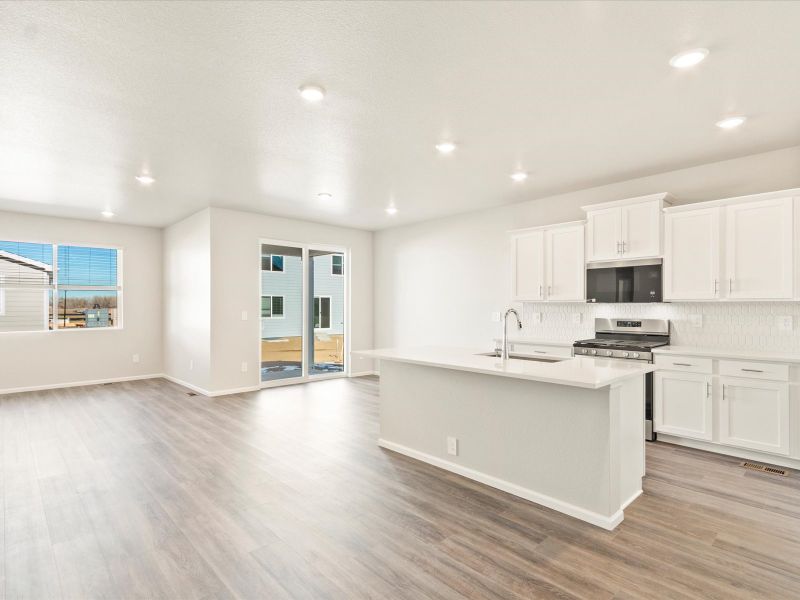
136 358
452 446
785 323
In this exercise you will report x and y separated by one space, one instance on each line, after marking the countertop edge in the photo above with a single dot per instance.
730 354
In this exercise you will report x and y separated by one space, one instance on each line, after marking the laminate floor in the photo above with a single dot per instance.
138 490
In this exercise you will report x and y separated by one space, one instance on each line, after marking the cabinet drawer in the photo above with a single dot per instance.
687 364
536 350
754 370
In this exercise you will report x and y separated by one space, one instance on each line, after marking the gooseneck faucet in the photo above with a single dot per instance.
510 311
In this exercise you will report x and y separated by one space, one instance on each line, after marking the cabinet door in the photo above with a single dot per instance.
691 255
641 230
564 264
604 234
528 268
754 414
683 404
759 249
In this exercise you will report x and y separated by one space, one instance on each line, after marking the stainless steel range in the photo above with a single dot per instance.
628 339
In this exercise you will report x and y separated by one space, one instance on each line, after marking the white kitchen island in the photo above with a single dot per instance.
568 435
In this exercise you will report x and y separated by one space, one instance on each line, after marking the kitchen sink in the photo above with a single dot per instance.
518 357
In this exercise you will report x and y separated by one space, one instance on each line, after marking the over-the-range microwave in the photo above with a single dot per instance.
624 281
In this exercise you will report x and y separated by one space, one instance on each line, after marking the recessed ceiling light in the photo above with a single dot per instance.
519 176
145 179
687 59
391 210
324 196
731 122
445 147
107 214
312 93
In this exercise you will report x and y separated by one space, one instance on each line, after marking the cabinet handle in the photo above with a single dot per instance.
623 246
716 286
683 364
708 390
730 284
540 291
619 250
540 352
549 290
753 370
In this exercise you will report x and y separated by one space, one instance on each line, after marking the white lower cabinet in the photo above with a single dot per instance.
683 404
754 414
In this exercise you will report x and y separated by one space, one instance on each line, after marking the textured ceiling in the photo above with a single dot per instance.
205 96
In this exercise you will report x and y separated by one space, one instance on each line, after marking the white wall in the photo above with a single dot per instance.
235 269
187 300
438 282
44 358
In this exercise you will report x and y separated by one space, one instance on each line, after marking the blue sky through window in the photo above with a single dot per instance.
77 265
41 252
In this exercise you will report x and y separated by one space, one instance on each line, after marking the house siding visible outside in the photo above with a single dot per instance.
22 309
289 285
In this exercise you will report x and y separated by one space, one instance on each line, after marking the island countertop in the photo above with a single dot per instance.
579 371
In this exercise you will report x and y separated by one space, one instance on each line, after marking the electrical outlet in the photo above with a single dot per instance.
577 318
537 317
244 367
696 320
496 317
136 358
785 323
452 446
244 315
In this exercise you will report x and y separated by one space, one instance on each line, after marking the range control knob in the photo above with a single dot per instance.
592 351
625 354
584 351
609 353
635 355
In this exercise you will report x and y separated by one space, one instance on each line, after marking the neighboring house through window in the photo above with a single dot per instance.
337 264
272 262
322 312
271 307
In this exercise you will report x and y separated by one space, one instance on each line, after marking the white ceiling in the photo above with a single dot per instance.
205 96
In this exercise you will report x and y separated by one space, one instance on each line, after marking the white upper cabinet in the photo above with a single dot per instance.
548 264
604 234
737 249
759 249
625 229
528 266
692 255
564 263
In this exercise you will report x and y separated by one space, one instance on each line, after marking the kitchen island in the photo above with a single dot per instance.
565 433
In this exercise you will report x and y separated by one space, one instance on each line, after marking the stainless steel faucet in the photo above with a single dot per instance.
510 311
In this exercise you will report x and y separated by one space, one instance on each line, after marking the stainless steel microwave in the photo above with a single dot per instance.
624 281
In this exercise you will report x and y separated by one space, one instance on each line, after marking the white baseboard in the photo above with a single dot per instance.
69 384
594 518
628 502
207 393
364 373
763 457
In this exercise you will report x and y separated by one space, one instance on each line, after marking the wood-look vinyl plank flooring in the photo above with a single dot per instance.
138 490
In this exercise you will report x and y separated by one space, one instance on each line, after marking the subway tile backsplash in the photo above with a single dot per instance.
727 326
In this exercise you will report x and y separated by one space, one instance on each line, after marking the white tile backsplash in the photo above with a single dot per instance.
724 325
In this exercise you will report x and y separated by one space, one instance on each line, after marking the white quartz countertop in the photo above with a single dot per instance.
579 371
538 342
738 354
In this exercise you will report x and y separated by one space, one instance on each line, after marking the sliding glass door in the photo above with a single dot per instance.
303 295
282 276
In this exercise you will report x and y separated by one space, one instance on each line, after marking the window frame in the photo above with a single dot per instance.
51 306
2 296
341 265
330 313
271 270
272 306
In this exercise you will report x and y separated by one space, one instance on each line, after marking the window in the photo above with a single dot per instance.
337 264
272 262
271 307
322 312
49 286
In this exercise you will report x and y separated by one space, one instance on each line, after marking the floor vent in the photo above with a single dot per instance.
191 394
764 469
